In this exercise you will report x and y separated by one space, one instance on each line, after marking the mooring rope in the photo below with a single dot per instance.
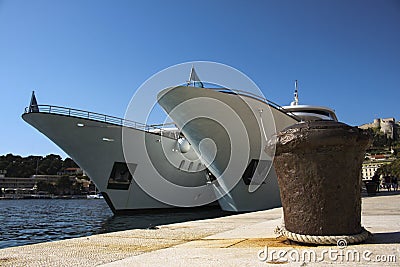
324 239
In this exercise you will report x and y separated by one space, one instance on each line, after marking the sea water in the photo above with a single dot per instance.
33 221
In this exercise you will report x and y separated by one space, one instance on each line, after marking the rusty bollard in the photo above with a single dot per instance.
318 165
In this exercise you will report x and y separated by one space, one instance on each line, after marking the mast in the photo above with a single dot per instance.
194 78
296 94
33 106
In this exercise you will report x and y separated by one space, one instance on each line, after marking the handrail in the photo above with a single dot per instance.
71 112
262 99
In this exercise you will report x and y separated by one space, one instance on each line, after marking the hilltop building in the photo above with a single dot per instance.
387 126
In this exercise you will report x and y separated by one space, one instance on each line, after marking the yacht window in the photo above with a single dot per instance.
320 112
255 164
249 172
121 177
182 163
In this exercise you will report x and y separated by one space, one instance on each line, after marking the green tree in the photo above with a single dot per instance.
51 164
17 166
46 187
391 169
78 189
380 142
69 163
65 185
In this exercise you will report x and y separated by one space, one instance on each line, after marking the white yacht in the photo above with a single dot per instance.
94 142
229 130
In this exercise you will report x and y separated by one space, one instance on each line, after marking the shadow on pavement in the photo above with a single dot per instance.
385 238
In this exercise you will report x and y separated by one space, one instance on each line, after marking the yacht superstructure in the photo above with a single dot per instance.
309 112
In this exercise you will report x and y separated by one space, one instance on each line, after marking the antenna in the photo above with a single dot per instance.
296 94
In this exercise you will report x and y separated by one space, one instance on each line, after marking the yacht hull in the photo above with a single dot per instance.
97 148
239 127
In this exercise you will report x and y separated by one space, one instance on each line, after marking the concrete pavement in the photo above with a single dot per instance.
237 240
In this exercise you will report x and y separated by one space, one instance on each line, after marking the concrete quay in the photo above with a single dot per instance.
246 239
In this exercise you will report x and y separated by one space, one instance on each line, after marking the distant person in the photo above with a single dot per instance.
375 179
388 183
394 183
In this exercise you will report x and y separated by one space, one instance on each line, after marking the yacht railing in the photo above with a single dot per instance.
262 99
70 112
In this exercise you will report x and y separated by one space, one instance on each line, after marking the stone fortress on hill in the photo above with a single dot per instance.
387 126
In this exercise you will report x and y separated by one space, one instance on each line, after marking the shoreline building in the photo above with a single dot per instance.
22 187
374 162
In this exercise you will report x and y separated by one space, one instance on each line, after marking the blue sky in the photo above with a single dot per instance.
94 54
